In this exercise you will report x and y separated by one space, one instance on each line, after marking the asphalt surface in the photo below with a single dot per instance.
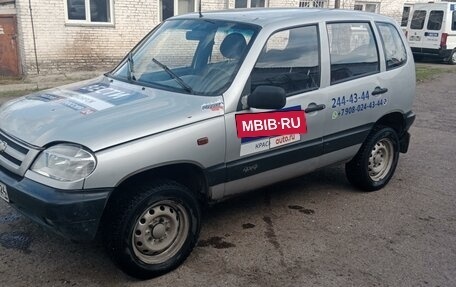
315 230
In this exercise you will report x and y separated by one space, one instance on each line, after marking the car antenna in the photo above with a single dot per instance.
199 9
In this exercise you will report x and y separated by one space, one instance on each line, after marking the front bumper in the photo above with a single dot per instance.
74 214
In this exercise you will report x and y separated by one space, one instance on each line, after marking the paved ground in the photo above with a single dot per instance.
315 230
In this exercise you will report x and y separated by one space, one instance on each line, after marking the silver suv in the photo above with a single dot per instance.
203 108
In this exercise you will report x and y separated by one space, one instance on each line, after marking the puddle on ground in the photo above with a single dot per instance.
248 225
216 242
10 217
16 240
301 209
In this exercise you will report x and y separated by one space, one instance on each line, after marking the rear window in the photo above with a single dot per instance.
453 25
405 16
435 20
418 20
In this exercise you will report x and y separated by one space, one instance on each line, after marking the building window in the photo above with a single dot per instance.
367 7
89 11
170 8
249 3
313 3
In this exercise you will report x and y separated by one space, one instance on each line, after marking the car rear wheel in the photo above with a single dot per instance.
374 164
452 58
154 231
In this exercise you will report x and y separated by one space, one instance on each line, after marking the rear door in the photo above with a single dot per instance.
434 28
356 95
9 64
416 34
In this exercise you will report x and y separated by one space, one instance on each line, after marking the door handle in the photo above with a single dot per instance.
313 107
379 90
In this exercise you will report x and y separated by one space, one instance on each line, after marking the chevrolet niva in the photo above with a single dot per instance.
203 108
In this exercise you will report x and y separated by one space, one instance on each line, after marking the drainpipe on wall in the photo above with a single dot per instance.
34 37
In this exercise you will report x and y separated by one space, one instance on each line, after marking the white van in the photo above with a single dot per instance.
431 31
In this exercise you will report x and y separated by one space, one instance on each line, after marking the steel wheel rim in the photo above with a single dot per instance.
381 159
453 57
160 232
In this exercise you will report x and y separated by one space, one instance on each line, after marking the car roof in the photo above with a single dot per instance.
273 16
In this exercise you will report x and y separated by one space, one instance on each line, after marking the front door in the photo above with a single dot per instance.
290 60
9 64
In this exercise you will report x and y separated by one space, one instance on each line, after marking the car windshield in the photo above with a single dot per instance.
196 56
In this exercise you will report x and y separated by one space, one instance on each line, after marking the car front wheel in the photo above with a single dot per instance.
154 230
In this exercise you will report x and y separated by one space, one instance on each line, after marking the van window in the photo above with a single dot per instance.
405 16
395 53
290 60
435 20
418 20
353 51
453 25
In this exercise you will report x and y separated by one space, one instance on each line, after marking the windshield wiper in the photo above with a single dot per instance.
174 76
131 67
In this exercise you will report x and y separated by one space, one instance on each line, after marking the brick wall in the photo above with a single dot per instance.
68 47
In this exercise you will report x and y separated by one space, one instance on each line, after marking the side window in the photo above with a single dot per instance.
418 20
394 48
435 20
405 16
353 51
453 25
290 60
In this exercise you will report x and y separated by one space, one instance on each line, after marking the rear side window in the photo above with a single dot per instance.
435 20
405 16
289 60
395 53
418 20
453 25
353 51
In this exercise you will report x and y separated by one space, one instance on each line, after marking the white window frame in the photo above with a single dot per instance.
312 3
363 3
88 21
176 8
249 4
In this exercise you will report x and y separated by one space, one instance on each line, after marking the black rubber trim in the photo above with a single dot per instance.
285 156
11 158
409 119
14 145
346 138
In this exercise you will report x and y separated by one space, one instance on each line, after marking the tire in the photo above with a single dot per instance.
374 164
452 58
153 230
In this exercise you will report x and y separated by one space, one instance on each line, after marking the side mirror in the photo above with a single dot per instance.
267 97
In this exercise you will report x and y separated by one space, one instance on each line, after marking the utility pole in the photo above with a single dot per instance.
337 4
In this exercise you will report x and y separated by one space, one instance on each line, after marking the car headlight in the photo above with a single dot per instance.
65 162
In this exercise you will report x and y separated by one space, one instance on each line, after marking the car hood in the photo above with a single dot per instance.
102 112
